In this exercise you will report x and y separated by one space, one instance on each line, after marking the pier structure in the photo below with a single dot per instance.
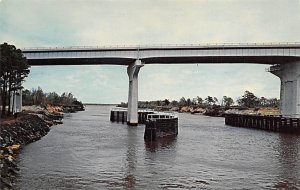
121 115
289 74
273 123
286 55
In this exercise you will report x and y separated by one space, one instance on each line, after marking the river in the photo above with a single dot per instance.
89 152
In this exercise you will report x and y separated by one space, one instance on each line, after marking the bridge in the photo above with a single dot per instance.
284 58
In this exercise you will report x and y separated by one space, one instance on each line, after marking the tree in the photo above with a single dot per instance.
273 102
158 103
27 98
263 101
14 69
216 100
182 101
248 99
194 101
227 101
174 103
166 102
52 98
38 97
209 100
188 102
199 101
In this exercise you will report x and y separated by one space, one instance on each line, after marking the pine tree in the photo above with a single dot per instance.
13 70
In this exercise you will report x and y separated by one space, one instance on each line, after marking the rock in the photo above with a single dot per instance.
186 109
174 109
198 110
6 182
57 122
29 126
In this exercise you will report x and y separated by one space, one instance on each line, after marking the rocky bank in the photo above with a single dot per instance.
24 128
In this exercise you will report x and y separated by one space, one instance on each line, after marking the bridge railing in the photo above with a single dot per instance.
145 46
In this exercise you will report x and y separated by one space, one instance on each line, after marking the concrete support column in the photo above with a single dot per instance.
133 71
289 74
13 99
16 101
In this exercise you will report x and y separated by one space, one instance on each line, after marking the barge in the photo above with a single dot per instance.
160 125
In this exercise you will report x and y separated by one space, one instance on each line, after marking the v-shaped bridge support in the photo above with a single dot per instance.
289 74
133 71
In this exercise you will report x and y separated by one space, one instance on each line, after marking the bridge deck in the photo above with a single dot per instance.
158 54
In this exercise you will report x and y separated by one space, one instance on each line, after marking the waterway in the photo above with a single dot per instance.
89 152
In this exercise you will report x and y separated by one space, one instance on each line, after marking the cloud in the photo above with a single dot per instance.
144 22
29 23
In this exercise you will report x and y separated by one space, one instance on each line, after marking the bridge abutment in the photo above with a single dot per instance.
289 74
133 71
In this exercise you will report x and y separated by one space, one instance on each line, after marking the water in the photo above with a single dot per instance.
90 152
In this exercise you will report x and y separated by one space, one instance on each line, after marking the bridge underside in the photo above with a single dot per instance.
81 61
222 59
165 60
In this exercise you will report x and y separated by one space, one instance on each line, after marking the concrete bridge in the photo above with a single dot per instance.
284 58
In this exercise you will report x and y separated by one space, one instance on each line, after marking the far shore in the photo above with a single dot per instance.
96 104
216 111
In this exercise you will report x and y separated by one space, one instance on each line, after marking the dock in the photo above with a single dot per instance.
275 123
120 115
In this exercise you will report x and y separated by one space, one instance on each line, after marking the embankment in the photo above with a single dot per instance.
16 132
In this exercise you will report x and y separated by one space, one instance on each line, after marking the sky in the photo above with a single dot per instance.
58 23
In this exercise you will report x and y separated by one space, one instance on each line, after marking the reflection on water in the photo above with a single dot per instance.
131 159
289 170
160 144
89 152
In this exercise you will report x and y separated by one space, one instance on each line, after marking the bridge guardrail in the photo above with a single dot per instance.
146 46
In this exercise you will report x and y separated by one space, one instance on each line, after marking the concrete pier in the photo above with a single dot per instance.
133 71
289 74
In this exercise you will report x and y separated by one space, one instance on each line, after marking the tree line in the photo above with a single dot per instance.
13 70
39 97
248 100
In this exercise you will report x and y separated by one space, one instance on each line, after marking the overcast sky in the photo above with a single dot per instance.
43 23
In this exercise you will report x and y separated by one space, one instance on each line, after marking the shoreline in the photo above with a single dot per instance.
216 111
222 111
26 127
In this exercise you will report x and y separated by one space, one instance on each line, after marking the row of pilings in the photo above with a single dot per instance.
121 116
268 123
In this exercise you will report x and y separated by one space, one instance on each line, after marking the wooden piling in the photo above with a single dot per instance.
112 117
268 123
121 116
